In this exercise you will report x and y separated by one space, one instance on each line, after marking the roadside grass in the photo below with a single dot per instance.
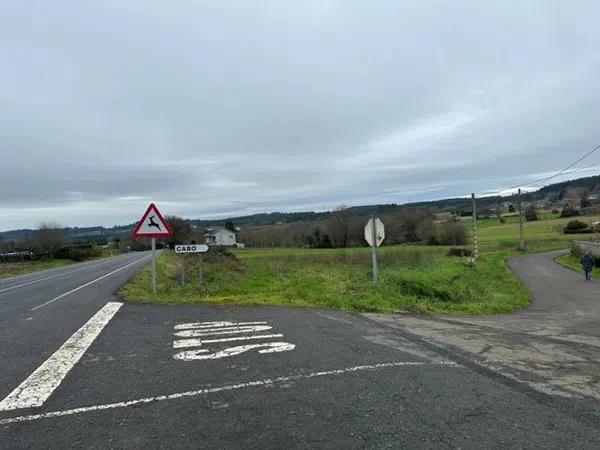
572 262
433 284
413 277
9 269
540 236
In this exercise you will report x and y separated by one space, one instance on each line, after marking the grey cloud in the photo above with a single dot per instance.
215 108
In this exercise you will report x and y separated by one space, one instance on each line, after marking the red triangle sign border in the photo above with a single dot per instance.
136 230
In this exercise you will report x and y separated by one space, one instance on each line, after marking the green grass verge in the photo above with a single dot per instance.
413 280
10 269
572 262
413 277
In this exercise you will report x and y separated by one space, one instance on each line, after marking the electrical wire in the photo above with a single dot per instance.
562 172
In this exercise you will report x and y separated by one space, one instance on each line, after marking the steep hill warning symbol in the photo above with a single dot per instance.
152 224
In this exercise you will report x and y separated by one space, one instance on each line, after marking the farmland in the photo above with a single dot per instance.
413 277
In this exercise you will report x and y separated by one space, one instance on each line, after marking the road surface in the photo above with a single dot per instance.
83 369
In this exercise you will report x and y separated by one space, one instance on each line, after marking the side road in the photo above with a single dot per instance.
552 346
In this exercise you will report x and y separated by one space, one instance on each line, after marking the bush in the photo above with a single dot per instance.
78 252
577 226
531 214
451 234
569 211
584 231
555 211
460 251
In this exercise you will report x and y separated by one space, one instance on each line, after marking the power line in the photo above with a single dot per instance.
533 183
569 172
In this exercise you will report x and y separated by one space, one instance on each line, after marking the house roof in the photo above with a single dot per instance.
217 231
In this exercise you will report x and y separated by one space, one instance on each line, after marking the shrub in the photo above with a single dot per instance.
531 214
451 234
569 211
78 252
460 251
577 226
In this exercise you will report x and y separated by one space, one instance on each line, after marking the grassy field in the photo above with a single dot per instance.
9 269
413 277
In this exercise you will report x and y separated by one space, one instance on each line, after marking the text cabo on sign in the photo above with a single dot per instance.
191 248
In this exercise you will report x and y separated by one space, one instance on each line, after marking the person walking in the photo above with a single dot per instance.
587 262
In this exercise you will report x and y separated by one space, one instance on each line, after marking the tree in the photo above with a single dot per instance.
229 225
577 194
453 233
499 211
48 237
569 211
181 230
531 213
585 202
337 226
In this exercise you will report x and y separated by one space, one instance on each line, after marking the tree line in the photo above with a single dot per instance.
343 228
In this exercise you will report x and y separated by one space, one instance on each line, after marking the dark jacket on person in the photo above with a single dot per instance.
587 262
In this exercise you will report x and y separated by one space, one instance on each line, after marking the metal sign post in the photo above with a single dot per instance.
182 270
154 265
200 274
374 251
374 235
152 225
191 248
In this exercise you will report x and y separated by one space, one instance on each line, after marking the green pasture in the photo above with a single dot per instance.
413 277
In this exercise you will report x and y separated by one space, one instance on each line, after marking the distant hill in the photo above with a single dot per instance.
459 205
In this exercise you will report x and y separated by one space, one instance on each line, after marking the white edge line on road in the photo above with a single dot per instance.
10 288
228 387
36 389
88 283
82 266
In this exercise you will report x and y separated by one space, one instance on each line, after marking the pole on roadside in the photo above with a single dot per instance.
183 270
154 265
475 243
374 249
521 238
200 269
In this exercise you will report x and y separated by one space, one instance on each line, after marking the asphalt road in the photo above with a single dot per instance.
87 370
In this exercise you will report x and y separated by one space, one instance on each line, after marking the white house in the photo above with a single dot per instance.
220 236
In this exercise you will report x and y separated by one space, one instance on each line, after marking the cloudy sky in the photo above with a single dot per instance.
213 108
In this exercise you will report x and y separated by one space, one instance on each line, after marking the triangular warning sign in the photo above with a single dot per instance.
152 224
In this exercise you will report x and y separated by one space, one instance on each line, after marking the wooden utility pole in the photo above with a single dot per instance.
521 240
475 245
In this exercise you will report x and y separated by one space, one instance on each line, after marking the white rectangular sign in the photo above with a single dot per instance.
191 248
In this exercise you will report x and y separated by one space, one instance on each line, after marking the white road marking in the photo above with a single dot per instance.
183 326
228 387
10 288
220 331
268 347
89 283
36 389
184 343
